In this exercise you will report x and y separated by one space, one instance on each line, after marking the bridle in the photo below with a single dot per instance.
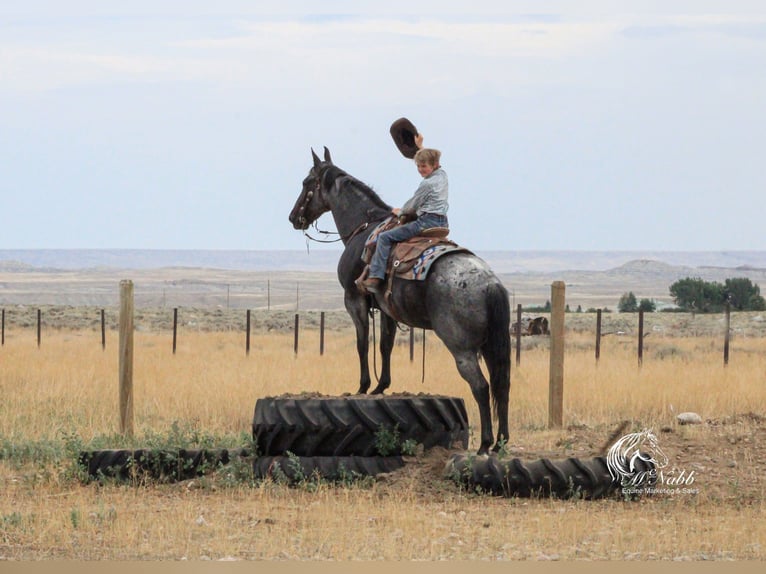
307 200
302 219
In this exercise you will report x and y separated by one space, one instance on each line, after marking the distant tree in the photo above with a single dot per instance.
757 303
744 295
647 306
579 309
538 308
694 294
627 303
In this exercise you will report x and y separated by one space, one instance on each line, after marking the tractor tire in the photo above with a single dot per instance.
295 469
106 463
159 464
567 478
353 425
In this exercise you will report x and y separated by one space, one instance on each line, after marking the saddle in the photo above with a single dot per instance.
410 259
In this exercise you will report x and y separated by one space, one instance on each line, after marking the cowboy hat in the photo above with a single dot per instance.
404 132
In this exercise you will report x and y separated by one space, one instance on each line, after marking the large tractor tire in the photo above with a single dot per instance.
295 469
158 464
358 425
566 478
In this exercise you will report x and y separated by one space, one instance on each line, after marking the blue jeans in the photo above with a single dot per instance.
398 234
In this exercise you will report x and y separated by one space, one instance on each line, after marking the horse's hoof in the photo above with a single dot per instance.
378 390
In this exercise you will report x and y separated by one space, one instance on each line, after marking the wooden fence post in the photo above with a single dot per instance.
518 334
175 328
2 337
247 333
556 382
727 335
640 337
321 333
598 335
297 324
39 326
103 331
126 357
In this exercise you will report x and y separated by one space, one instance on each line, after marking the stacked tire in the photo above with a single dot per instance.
164 465
333 438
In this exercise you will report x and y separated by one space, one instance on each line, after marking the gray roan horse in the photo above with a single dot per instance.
462 300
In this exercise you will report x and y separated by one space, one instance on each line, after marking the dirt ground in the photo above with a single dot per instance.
720 460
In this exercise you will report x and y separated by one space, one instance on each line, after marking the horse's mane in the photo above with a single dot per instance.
351 181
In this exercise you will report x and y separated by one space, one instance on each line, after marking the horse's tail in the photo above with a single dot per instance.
497 348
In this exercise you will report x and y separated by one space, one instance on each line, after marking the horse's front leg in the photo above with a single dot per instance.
358 309
387 337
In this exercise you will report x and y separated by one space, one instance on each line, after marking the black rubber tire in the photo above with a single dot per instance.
106 463
294 469
158 464
350 425
566 478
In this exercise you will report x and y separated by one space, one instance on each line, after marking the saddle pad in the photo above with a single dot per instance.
412 259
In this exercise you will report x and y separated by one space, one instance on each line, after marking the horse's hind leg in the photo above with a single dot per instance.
387 336
468 367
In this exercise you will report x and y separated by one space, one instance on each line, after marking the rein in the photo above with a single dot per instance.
343 238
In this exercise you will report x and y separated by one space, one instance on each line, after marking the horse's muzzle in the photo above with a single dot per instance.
298 221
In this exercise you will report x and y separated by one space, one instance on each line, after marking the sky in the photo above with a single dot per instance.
563 125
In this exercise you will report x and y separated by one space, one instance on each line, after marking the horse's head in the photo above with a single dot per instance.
312 201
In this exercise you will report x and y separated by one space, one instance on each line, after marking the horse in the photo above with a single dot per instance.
461 299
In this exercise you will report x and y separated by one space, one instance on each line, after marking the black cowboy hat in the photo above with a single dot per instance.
404 132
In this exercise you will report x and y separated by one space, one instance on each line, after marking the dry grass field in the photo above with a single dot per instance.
62 396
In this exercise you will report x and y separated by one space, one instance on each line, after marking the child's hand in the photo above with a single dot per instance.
419 141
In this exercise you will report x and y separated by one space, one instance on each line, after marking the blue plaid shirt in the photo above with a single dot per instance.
431 196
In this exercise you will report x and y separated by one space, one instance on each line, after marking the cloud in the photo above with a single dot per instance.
708 25
286 52
537 36
397 60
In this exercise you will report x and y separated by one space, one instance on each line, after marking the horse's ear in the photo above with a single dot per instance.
327 157
317 161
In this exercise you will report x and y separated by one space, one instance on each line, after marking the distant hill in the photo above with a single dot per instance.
321 258
315 260
290 279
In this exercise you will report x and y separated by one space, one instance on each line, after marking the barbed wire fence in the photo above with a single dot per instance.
278 308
